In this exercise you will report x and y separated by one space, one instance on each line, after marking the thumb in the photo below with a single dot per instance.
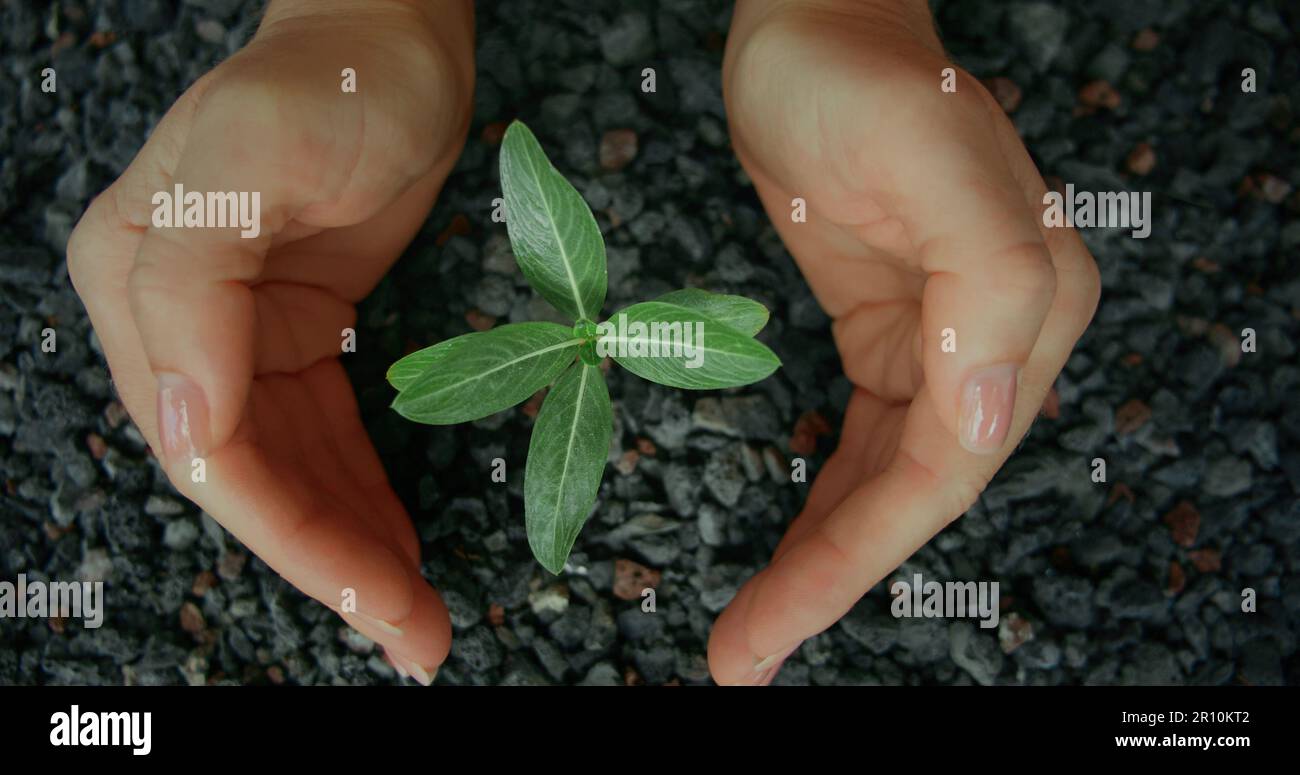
990 285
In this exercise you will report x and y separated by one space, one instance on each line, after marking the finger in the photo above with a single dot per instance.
818 577
306 409
312 539
190 284
991 283
102 248
832 560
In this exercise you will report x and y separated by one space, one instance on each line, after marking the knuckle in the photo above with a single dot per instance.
79 242
1089 288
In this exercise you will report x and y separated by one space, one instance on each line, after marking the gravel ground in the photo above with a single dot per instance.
1133 581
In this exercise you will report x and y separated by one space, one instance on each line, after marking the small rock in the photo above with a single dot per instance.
975 652
162 506
630 578
1131 416
724 474
745 417
1184 523
628 40
1051 408
1227 477
627 462
1038 30
97 446
549 602
1177 580
210 30
1146 39
713 524
231 565
1141 160
192 619
1097 95
1206 560
810 425
1005 91
479 321
180 534
618 148
1013 632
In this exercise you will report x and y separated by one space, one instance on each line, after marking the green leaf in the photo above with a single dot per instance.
409 368
718 357
745 315
566 460
552 231
475 375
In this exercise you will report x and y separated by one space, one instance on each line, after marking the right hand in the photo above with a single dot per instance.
225 349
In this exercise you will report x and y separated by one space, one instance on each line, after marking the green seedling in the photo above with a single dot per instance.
688 339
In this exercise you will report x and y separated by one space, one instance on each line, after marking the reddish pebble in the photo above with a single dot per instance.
1005 91
1146 39
1131 416
479 321
627 463
1120 490
1206 560
632 577
95 443
192 619
1184 523
458 227
1052 405
1099 94
202 583
534 404
1141 160
1177 579
618 147
494 133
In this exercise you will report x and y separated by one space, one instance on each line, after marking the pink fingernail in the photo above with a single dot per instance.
987 401
182 418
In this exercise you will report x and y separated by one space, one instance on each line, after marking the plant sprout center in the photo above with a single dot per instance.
587 331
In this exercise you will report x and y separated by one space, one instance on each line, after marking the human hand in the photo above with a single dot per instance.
224 349
923 214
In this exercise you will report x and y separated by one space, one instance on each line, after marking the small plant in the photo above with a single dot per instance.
686 339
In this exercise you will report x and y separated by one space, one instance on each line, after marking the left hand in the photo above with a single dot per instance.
923 214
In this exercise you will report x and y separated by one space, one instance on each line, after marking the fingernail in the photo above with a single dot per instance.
182 418
379 624
766 668
425 677
393 663
987 401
